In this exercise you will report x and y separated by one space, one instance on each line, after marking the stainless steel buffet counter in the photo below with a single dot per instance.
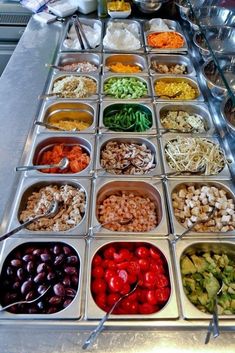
21 84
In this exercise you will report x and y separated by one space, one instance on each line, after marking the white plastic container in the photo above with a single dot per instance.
86 6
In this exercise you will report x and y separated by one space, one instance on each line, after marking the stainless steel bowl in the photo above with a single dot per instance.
148 6
221 39
228 113
213 76
210 16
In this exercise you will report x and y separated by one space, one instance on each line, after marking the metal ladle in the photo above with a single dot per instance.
119 221
25 301
63 164
99 328
51 212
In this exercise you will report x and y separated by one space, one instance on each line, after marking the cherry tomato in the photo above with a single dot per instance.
133 297
144 264
98 286
142 252
156 267
97 260
161 281
115 284
109 264
123 255
108 252
151 297
141 295
124 275
162 294
128 306
133 268
123 265
132 279
97 272
108 274
147 308
101 300
125 289
155 254
112 298
150 279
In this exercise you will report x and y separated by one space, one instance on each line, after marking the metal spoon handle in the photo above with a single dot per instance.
24 168
99 327
215 319
50 126
17 229
83 33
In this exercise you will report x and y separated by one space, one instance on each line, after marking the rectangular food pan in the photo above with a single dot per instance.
203 250
113 107
217 195
172 25
112 153
93 310
191 81
224 171
71 58
167 61
200 109
121 92
58 77
156 220
125 59
62 110
45 143
31 186
17 257
120 34
66 42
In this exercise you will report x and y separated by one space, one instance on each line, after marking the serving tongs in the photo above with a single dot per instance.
80 33
50 212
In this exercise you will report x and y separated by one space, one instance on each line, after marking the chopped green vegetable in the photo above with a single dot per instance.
201 276
125 87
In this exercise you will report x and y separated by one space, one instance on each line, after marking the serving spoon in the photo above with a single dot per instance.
214 324
25 301
94 334
119 221
63 164
50 126
51 212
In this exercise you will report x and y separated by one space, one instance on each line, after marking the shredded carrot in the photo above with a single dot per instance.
78 158
124 68
165 40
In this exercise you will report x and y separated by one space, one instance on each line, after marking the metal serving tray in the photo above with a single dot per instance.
87 22
117 105
224 174
73 311
184 247
192 81
167 59
29 185
58 77
45 142
142 78
127 59
69 58
169 311
199 108
178 229
68 110
151 143
125 22
174 26
104 187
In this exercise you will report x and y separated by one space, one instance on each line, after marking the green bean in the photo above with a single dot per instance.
128 119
